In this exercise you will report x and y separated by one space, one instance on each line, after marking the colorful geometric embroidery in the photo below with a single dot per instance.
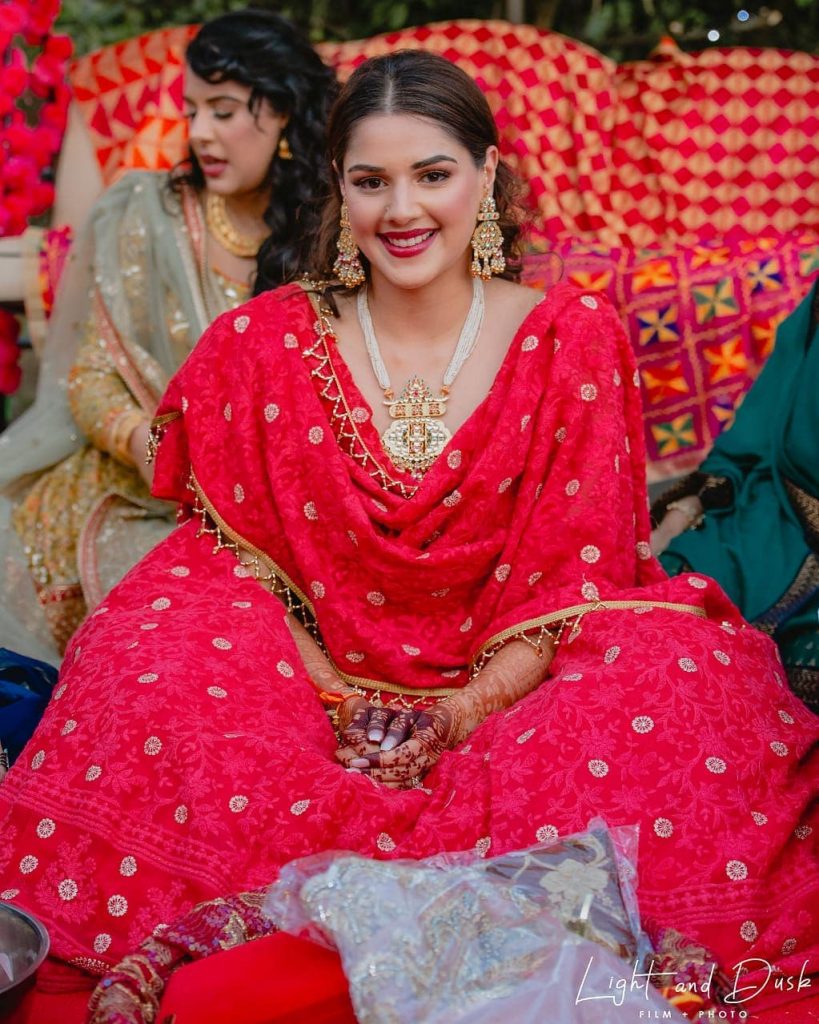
765 276
658 325
725 360
676 435
714 300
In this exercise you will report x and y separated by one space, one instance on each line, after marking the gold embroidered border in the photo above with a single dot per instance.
407 691
122 359
575 611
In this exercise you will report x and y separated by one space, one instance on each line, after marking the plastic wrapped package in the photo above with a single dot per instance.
459 940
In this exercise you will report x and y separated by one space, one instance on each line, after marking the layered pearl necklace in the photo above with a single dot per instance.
418 435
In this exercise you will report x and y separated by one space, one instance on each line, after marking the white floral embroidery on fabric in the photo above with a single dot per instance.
572 487
93 773
547 834
780 749
482 846
524 736
590 554
728 628
616 463
227 412
221 643
46 828
534 578
588 392
376 597
590 592
749 931
117 905
291 341
525 421
353 538
180 815
722 657
180 570
242 572
359 414
453 460
502 572
241 604
299 807
529 343
354 656
160 604
451 500
9 894
589 301
560 435
152 746
315 435
147 677
617 381
148 626
271 411
37 760
687 665
237 803
642 723
413 652
759 817
380 505
788 947
59 691
128 866
102 942
573 677
466 625
643 549
697 583
184 404
598 768
69 727
241 324
310 511
28 864
736 870
635 380
802 831
285 669
787 718
318 588
611 655
385 843
663 828
556 346
504 485
716 765
67 889
217 691
238 494
451 673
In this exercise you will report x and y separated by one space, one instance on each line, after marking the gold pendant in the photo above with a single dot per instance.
417 437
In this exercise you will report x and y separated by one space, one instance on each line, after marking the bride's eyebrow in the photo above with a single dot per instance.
437 159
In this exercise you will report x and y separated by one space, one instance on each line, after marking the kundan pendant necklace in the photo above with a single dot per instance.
418 435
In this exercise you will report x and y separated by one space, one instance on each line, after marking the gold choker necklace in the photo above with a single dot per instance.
225 233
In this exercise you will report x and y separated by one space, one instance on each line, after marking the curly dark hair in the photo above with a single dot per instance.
423 85
262 50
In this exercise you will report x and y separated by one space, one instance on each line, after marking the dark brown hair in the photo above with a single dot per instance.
422 85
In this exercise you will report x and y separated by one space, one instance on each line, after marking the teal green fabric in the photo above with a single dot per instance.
756 547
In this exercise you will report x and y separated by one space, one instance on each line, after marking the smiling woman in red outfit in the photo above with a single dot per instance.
413 497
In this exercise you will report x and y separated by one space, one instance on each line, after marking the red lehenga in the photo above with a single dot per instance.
185 755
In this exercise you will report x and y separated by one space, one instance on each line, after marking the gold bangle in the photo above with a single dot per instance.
695 519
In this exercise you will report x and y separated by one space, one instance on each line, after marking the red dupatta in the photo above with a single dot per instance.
410 581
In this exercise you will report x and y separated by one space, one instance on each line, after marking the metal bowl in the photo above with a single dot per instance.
23 947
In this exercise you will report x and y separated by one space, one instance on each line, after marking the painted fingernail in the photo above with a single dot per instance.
360 762
389 743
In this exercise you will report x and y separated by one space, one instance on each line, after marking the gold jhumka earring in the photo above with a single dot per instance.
284 151
347 266
487 241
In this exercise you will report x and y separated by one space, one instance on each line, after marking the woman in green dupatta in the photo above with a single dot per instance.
161 257
749 516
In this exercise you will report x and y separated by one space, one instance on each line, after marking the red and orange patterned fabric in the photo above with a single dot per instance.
684 186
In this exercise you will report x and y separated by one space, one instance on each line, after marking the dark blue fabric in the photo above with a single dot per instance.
25 689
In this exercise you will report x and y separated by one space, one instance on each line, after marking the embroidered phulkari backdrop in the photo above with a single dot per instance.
685 186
